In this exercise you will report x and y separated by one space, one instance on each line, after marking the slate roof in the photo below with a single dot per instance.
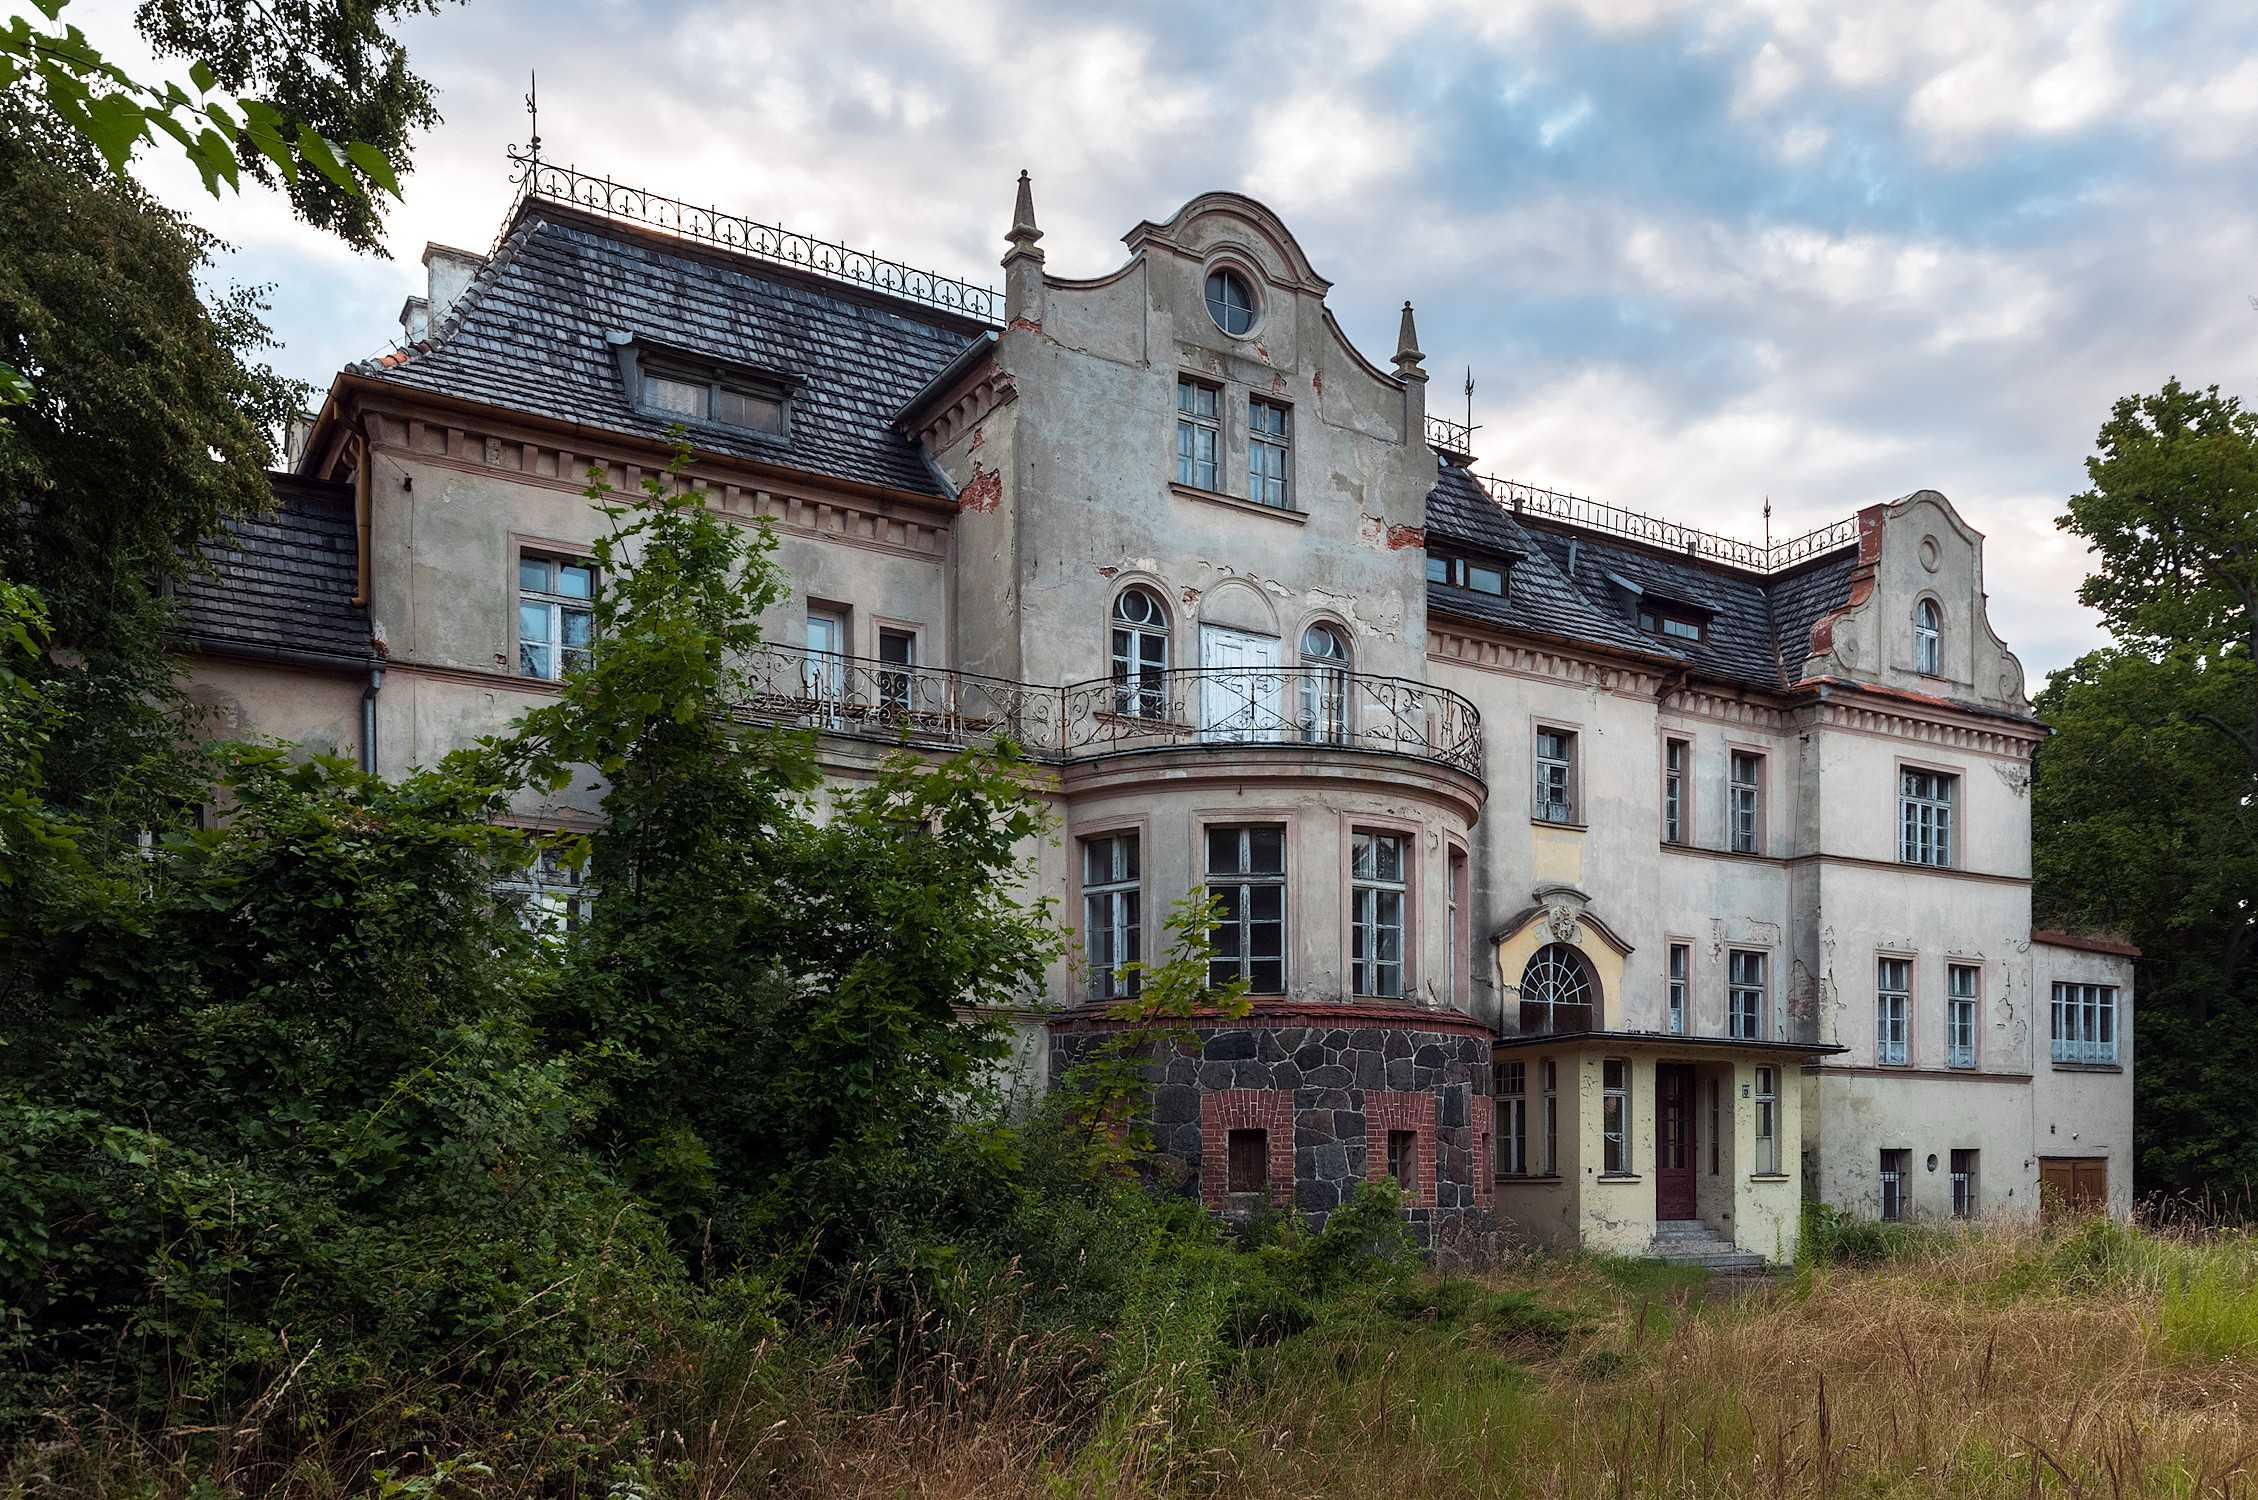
529 335
282 583
1759 626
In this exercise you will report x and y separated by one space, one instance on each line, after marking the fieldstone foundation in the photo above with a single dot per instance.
1346 1076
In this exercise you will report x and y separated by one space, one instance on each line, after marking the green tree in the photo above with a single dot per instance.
2145 808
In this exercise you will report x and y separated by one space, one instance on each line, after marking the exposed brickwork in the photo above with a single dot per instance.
983 491
1481 1117
1270 1110
1385 1113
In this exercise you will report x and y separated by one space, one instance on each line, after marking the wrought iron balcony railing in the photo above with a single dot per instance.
1149 710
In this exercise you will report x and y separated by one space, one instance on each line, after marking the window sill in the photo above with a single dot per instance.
1559 823
1238 502
2089 1067
1531 1179
1620 1177
1769 1177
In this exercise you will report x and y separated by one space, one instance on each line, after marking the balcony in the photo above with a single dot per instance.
932 708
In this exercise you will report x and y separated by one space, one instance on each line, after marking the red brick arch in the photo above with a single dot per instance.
1384 1112
1227 1110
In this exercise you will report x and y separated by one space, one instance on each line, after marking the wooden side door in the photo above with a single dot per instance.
1674 1153
2071 1187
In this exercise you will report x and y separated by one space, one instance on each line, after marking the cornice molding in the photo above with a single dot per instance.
1937 726
960 410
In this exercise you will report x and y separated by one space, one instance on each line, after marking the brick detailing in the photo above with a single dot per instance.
1481 1114
1227 1110
1385 1112
983 491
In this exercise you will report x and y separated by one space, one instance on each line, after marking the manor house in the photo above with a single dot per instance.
1605 881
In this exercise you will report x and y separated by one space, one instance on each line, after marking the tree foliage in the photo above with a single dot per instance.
2145 808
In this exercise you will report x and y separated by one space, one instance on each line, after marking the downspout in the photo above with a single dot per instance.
368 717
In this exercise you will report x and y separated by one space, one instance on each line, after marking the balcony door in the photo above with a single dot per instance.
1242 690
1674 1141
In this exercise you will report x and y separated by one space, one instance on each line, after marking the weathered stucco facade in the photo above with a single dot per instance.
1606 882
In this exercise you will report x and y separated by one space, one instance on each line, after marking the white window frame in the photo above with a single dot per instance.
1926 800
1554 772
1112 911
1747 993
1677 752
1615 1101
1139 652
1893 1011
551 899
1245 881
1767 1121
1677 979
1928 638
1962 1006
1270 436
1744 802
2085 1022
1199 414
555 606
1379 906
1513 1119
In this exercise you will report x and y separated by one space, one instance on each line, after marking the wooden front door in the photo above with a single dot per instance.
2071 1187
1674 1141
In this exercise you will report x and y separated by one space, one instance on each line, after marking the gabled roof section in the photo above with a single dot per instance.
531 336
1758 626
280 586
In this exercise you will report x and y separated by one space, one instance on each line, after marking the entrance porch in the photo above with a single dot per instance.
1640 1143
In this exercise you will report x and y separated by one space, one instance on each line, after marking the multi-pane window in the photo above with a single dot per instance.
1246 874
1744 994
1893 1005
1324 684
1454 897
1660 622
1557 992
1466 573
1924 803
1247 1163
695 398
1615 1116
556 614
1140 655
1928 638
1551 1071
1960 986
1767 1120
1674 791
1556 775
1744 800
1199 433
1963 1184
1513 1119
1111 935
1896 1182
1403 1159
1681 961
1269 443
1230 302
897 652
1376 936
2085 1023
549 896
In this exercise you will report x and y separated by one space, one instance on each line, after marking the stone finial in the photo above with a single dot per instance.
1408 356
1023 233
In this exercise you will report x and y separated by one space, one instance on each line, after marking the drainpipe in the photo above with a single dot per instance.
368 717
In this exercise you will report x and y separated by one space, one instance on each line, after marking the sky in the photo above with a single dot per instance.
1696 255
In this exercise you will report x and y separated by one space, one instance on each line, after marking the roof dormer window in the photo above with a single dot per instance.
676 386
1659 619
1480 575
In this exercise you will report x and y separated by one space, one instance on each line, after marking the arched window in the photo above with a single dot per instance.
1140 654
1558 993
1324 683
1928 638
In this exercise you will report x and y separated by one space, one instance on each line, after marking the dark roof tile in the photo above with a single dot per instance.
281 582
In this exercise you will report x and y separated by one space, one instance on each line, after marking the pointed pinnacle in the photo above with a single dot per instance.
1407 340
1023 232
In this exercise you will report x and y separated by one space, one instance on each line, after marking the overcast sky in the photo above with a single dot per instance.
1695 254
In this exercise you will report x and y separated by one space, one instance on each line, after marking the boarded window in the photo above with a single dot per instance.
1249 1161
1403 1159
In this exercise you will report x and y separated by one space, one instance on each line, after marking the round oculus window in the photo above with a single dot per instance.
1230 301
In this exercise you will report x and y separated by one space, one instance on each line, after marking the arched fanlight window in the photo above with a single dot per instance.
1140 654
1324 683
1928 638
1558 993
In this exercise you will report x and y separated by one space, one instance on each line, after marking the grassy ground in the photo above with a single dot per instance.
2102 1363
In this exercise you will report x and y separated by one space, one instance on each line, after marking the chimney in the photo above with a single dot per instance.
296 433
451 272
415 319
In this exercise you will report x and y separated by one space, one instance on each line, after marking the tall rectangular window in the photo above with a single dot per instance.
1247 1165
1615 1116
1377 880
1745 801
1893 1004
1961 984
1246 874
1681 960
1513 1119
1556 775
1674 754
1896 1182
1269 443
1199 433
1551 1071
1744 1000
1924 807
1456 937
556 614
1111 933
1403 1159
1963 1184
897 651
2085 1023
1767 1121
